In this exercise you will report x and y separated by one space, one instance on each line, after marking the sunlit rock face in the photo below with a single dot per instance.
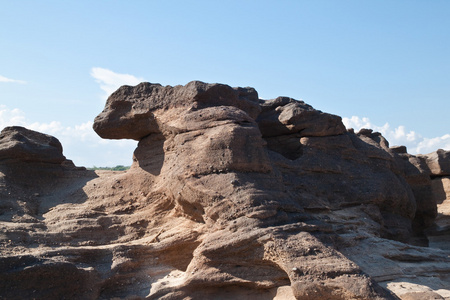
229 197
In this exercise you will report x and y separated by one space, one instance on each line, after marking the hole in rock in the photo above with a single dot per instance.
287 145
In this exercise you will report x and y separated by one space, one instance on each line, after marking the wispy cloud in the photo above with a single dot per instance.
80 142
440 142
110 81
415 142
5 79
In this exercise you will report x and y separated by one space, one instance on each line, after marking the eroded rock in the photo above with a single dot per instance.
18 144
230 196
439 163
135 112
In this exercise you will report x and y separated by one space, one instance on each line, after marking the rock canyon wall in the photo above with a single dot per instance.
228 197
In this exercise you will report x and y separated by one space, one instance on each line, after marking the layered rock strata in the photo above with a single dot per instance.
231 197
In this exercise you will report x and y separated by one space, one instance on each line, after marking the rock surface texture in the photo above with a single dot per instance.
228 197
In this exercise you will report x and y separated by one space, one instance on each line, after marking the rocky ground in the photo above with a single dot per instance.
228 197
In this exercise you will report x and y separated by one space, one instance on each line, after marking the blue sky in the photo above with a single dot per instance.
378 64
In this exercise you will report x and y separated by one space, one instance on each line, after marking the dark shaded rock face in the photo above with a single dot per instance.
231 197
18 144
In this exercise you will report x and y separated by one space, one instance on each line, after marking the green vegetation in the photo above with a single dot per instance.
116 168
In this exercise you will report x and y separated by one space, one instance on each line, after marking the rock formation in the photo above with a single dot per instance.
229 197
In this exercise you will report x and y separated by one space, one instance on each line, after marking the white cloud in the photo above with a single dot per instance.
110 81
415 142
9 117
442 142
5 79
80 142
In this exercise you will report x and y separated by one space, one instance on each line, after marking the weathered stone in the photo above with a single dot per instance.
439 162
398 149
228 197
18 144
288 116
135 112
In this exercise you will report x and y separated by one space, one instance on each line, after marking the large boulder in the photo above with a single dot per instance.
133 112
18 144
32 164
285 115
283 121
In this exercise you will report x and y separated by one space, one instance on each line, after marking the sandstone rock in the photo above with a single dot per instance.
439 163
17 282
135 112
283 121
228 197
439 232
416 172
24 145
286 116
32 165
398 149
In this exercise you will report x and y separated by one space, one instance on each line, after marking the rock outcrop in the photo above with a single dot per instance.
228 197
31 164
18 144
